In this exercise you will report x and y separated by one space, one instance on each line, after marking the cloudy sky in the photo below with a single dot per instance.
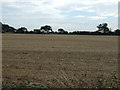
70 15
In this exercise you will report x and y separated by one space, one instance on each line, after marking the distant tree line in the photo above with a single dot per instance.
47 29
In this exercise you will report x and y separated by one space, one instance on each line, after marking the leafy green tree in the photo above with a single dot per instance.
7 28
22 30
46 29
62 31
117 32
0 27
103 28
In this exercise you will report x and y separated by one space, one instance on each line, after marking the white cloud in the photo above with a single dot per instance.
38 8
92 17
91 10
60 6
82 8
57 9
80 16
107 14
9 0
93 2
97 17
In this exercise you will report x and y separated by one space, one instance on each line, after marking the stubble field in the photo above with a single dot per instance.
59 61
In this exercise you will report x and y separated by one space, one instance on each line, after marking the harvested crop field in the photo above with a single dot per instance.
59 61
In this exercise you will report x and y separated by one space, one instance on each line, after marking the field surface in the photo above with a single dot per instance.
59 60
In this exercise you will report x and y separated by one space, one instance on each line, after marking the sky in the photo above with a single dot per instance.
71 15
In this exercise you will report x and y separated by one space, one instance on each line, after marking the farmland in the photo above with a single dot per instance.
59 61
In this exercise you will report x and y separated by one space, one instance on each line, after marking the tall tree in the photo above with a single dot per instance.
117 32
46 29
21 30
7 28
103 28
62 31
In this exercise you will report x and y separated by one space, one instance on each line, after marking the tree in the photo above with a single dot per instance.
103 28
0 27
46 29
7 28
22 30
37 31
117 32
62 31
